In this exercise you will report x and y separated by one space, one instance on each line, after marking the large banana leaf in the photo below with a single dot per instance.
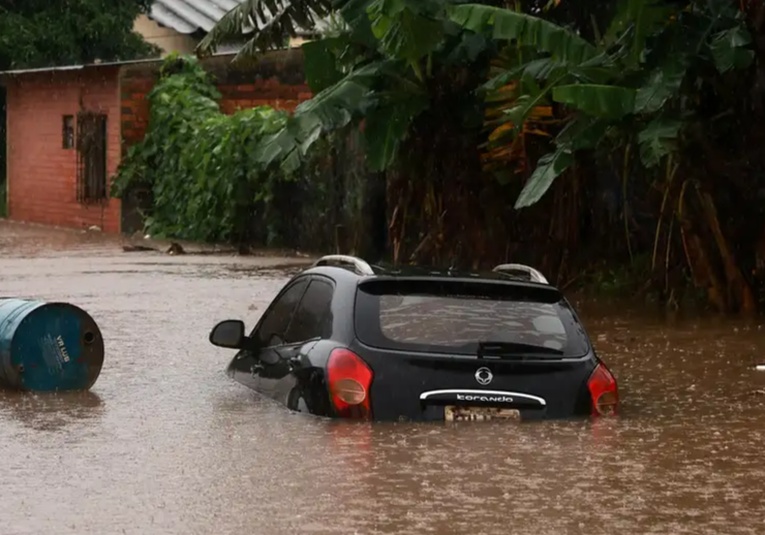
609 101
264 24
331 109
637 19
549 167
527 30
387 126
388 114
729 49
662 84
582 132
320 63
408 29
658 139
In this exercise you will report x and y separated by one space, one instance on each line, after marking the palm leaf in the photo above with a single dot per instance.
527 30
658 139
582 132
387 126
264 25
662 84
640 18
320 64
362 93
549 167
597 100
730 50
330 109
407 29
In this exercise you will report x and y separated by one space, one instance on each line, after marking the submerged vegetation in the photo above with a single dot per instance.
567 136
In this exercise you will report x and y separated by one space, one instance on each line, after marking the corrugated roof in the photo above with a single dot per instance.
188 16
96 64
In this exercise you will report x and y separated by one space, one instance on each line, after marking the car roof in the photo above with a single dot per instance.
358 269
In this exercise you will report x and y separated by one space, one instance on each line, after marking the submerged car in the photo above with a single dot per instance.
351 340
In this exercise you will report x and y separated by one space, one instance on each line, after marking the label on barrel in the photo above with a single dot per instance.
63 353
54 352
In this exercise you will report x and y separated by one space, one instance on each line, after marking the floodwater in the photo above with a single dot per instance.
166 443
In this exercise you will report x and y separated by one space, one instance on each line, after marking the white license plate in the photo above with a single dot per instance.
468 414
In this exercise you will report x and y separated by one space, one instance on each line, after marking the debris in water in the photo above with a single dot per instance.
760 367
175 248
136 248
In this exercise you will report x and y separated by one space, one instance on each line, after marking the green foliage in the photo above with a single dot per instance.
618 280
40 33
525 30
281 19
632 78
376 69
199 163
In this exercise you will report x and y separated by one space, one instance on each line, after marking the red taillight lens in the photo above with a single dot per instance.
349 380
603 391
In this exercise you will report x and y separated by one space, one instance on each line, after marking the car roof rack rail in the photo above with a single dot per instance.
534 275
360 265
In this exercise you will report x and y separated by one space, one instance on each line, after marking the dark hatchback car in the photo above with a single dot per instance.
350 340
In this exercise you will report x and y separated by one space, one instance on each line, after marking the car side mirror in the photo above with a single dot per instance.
229 334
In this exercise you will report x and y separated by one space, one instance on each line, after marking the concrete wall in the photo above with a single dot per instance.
42 175
167 39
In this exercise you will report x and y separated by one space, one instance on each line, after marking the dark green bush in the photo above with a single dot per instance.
198 161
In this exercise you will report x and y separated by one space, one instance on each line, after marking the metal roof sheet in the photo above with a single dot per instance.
97 64
188 16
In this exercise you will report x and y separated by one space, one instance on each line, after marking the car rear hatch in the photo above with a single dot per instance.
439 345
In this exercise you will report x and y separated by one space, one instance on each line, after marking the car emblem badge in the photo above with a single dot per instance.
484 376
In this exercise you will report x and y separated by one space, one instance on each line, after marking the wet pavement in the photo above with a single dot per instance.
166 443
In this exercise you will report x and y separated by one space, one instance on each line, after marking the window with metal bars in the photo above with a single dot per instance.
68 132
91 157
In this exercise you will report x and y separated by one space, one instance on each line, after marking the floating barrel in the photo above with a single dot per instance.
48 346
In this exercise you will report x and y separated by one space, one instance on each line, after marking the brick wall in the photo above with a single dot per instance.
42 175
276 80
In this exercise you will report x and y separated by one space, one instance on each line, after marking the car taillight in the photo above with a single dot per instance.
603 391
349 380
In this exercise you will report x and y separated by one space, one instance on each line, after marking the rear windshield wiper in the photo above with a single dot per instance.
510 350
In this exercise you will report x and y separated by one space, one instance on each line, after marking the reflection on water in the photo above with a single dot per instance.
167 444
49 411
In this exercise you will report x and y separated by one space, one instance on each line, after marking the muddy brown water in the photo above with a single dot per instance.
166 443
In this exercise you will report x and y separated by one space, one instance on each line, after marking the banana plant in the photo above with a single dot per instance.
261 25
377 73
630 80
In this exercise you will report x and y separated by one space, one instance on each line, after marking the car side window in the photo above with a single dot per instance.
278 316
313 317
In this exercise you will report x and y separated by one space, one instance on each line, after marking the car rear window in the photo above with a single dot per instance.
453 317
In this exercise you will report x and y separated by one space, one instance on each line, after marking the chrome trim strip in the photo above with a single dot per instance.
426 395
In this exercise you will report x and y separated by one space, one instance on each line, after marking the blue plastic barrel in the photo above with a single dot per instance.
48 346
